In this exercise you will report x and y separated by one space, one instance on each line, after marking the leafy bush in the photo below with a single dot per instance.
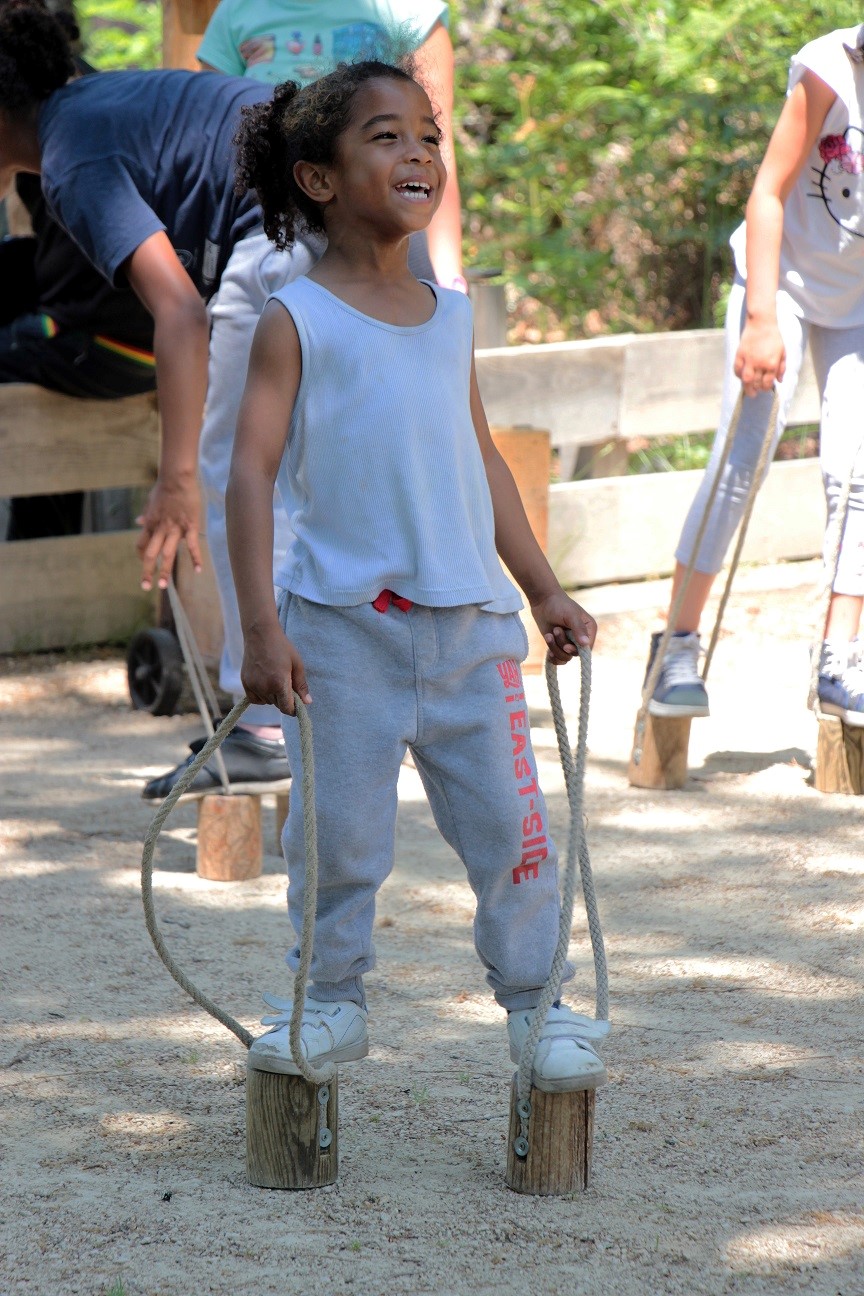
607 149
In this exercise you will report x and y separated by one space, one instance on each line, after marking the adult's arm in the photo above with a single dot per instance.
180 345
761 357
436 65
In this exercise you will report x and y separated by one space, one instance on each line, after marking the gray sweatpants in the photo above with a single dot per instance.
446 683
838 359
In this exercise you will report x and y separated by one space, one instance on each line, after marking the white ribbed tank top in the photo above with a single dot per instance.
382 477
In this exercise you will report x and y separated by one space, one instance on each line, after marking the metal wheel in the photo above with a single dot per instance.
154 669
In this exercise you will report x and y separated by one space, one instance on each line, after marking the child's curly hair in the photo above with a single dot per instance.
300 124
35 55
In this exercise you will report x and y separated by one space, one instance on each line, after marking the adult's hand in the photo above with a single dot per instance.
171 514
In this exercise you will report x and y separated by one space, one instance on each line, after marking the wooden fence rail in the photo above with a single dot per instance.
84 589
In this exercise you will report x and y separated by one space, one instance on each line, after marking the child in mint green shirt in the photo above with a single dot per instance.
283 40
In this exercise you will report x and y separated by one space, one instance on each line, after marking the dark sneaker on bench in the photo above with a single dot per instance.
680 690
253 765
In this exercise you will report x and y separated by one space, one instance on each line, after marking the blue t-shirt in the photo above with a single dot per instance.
126 155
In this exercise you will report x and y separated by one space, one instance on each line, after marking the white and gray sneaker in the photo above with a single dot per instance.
565 1058
330 1032
841 681
680 689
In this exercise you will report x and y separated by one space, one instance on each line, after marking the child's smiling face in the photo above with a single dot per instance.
389 169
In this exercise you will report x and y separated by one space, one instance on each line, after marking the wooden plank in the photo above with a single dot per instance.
606 389
71 590
571 388
626 528
52 443
672 384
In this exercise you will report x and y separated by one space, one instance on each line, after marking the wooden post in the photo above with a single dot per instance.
282 804
229 838
291 1131
560 1135
839 757
528 454
659 755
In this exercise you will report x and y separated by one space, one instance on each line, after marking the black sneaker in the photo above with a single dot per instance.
252 764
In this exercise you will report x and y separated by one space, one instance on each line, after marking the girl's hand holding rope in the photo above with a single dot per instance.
564 625
273 670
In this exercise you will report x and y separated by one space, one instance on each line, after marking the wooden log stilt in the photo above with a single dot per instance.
229 838
560 1136
291 1131
282 803
659 755
839 757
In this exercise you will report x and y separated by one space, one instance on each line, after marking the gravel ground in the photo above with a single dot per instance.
727 1155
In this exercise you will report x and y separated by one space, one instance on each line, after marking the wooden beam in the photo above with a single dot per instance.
51 443
71 590
571 388
626 528
606 389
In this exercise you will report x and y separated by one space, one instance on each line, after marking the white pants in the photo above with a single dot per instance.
254 271
838 359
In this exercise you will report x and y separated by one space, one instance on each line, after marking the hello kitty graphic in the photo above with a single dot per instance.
840 181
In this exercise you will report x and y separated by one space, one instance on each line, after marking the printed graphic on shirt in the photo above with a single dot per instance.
535 843
258 49
349 44
840 181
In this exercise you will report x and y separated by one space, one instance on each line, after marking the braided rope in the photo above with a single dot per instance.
309 898
653 674
832 563
147 875
755 483
577 848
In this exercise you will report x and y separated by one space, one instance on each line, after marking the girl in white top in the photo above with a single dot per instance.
396 617
799 259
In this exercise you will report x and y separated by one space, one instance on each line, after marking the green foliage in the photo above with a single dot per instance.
607 149
121 33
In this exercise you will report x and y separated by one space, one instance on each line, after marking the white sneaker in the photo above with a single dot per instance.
564 1059
330 1032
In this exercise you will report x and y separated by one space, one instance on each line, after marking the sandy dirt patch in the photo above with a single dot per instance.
727 1156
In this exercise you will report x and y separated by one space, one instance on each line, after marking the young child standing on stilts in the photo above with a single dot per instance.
800 278
396 621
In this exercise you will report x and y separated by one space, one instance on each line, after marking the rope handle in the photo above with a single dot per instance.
577 849
309 899
574 778
669 629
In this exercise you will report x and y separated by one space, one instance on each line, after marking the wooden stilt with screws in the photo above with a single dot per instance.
659 755
839 757
229 838
291 1131
560 1135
